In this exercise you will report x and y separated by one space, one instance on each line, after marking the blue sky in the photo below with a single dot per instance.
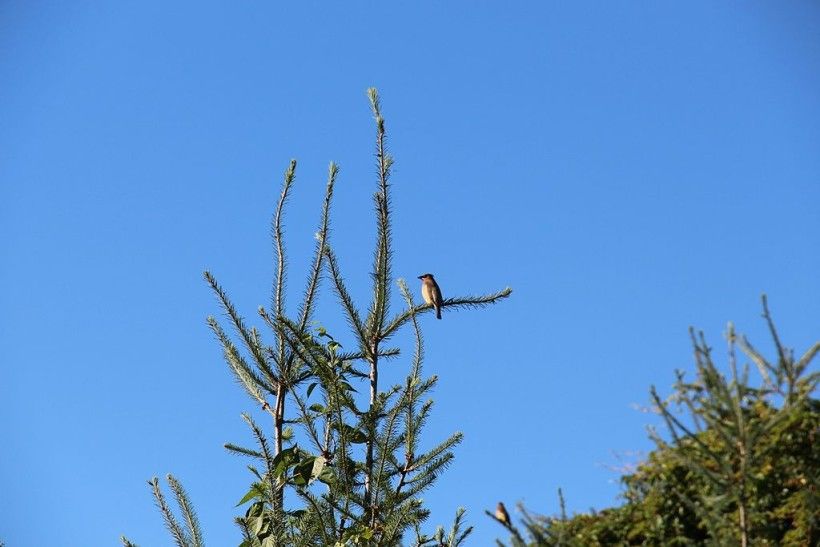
630 169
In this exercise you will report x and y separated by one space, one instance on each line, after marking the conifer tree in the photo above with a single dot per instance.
729 421
740 465
340 468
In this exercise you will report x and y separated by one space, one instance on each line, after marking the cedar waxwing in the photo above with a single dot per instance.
431 293
501 514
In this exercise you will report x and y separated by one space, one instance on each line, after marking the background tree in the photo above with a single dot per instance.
740 467
352 470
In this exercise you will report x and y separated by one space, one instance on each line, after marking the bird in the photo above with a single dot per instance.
431 293
501 514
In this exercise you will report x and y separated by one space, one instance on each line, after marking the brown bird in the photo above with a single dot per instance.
431 293
501 514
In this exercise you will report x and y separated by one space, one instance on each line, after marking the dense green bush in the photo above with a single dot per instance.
740 464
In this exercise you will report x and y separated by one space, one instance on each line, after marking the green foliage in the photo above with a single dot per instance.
187 534
348 450
741 467
456 536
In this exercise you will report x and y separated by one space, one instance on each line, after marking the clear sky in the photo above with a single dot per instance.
629 168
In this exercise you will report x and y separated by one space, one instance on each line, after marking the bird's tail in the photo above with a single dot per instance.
438 313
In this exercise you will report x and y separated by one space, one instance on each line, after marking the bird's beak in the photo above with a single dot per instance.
421 277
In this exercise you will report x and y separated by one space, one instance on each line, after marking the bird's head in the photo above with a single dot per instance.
426 276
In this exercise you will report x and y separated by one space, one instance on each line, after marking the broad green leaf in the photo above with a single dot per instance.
255 509
254 492
302 471
283 460
256 524
327 476
354 435
318 467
